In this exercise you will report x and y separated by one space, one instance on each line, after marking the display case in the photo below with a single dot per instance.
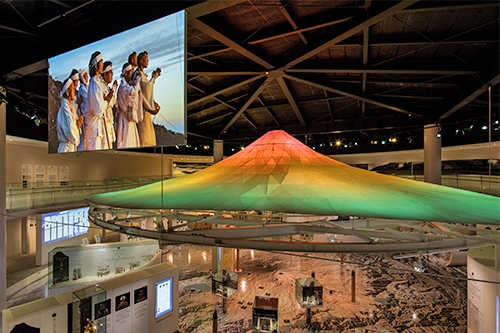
88 311
265 314
224 283
309 293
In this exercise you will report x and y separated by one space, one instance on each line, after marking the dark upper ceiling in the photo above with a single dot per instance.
350 70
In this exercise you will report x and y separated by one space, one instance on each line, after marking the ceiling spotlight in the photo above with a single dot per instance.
338 143
393 139
382 142
459 132
484 127
242 147
374 142
495 126
440 132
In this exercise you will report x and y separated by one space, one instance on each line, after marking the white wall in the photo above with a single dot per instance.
13 238
466 152
88 166
482 311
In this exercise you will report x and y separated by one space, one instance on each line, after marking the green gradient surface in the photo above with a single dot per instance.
281 174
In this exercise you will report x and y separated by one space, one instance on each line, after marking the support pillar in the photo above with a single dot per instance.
3 218
215 322
217 251
497 256
238 269
353 286
25 242
432 154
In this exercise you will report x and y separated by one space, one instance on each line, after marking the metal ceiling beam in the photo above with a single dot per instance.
27 70
228 88
291 100
299 31
360 98
24 32
467 92
195 23
375 19
289 18
210 6
416 41
215 118
382 71
246 116
60 3
66 13
492 4
255 94
268 111
228 73
366 32
199 56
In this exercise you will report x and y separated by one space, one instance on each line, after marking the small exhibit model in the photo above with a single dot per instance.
265 314
309 293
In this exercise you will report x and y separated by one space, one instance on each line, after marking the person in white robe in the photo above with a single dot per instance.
82 96
67 121
128 115
96 105
149 106
109 118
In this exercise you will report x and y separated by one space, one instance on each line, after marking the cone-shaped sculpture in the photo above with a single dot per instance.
280 174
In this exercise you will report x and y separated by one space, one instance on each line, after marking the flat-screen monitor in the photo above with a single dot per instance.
57 226
163 292
127 118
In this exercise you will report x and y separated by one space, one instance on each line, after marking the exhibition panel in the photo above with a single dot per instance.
122 304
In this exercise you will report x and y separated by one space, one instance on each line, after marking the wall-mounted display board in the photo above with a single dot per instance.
124 304
77 265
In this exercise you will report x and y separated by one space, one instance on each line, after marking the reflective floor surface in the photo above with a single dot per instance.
389 295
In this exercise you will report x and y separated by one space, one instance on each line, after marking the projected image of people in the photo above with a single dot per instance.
149 63
68 122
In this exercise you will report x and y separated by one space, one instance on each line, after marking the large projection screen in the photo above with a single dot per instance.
165 42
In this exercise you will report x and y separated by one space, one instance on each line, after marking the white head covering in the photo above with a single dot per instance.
107 69
81 73
74 77
126 69
96 60
66 86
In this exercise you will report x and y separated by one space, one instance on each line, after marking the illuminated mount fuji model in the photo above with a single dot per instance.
279 175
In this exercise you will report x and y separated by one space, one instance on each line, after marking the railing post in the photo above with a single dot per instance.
52 195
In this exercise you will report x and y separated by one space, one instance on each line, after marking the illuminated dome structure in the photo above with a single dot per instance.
277 181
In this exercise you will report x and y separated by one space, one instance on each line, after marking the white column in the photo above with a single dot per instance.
25 241
432 154
218 150
217 251
3 219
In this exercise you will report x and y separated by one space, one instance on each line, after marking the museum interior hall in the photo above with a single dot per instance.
246 166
